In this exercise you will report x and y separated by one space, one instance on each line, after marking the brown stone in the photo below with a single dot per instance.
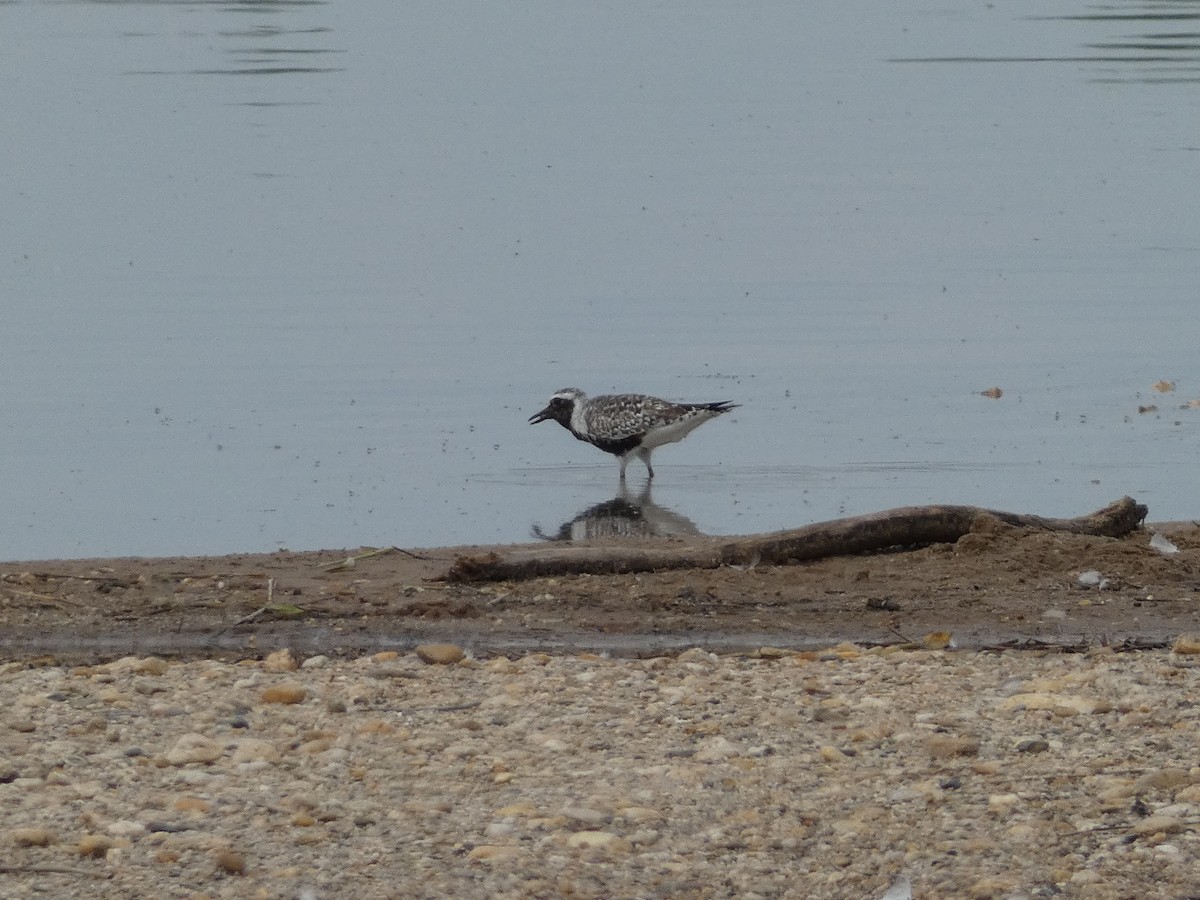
1186 644
945 746
95 845
32 837
440 654
287 692
231 862
188 803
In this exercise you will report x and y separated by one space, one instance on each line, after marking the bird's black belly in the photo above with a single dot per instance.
618 447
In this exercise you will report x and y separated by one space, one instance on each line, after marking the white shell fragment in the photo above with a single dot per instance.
1163 545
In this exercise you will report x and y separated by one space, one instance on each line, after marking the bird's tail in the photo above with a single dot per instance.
719 407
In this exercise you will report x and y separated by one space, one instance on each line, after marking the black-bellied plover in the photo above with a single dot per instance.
627 425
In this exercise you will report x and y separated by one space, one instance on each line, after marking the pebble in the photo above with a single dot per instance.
280 661
32 837
831 754
587 816
1061 704
193 748
944 746
715 748
991 887
95 845
188 803
936 640
288 692
126 828
491 853
1033 745
231 862
524 808
1168 778
150 665
590 840
1156 824
1186 644
440 654
255 750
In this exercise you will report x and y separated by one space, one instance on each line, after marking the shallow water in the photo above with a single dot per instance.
295 274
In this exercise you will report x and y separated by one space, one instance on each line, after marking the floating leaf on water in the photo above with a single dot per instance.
1164 387
1147 409
1162 545
994 393
1192 404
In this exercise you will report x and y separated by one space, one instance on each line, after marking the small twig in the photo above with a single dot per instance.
244 620
902 636
409 553
350 561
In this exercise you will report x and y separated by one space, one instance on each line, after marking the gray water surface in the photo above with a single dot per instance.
296 274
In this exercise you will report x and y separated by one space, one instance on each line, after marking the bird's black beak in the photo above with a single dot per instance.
540 417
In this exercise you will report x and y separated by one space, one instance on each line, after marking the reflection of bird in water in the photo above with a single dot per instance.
623 516
627 425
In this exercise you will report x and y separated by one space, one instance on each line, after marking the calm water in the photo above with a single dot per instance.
295 274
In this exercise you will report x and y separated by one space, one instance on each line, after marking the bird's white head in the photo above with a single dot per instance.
560 408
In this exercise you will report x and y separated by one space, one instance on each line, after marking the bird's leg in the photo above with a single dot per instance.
624 463
644 456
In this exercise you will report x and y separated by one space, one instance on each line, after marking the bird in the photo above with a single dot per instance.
627 425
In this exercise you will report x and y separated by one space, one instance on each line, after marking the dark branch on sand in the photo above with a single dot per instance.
909 526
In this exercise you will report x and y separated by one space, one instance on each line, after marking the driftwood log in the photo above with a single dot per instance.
908 526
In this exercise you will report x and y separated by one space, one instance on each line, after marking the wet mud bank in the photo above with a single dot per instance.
1007 587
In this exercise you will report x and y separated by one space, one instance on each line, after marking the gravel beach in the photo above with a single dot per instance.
826 773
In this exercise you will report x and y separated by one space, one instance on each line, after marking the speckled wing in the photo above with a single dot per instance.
619 416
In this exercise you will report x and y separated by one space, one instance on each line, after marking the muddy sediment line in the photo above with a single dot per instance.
998 586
